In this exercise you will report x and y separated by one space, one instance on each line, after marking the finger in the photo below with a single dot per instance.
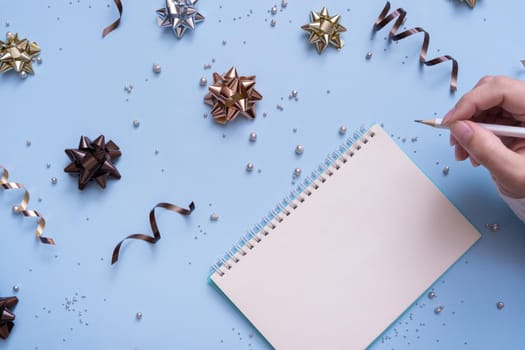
460 153
474 162
501 92
488 150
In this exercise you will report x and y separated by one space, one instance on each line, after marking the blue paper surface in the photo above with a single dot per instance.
70 296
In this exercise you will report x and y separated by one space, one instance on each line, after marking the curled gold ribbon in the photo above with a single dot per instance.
385 18
115 24
22 207
154 227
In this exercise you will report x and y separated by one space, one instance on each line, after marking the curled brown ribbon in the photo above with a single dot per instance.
22 207
154 228
115 24
385 18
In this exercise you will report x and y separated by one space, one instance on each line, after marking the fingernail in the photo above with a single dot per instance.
449 114
462 132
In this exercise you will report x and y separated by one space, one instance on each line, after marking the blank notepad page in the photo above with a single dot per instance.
350 258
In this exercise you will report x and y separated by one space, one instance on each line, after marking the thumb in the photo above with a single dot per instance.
487 149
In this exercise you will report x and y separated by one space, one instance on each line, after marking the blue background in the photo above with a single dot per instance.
79 90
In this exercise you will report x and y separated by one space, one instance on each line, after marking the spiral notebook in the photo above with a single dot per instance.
342 257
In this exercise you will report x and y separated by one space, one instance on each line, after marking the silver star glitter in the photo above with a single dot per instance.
179 15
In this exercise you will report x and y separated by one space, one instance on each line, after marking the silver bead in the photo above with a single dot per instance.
343 129
500 305
214 217
293 94
446 169
431 295
253 136
492 227
9 35
16 289
438 310
156 152
39 60
16 209
299 149
284 3
249 167
156 68
274 10
138 316
368 55
28 143
48 165
136 123
203 81
54 180
273 22
22 75
297 172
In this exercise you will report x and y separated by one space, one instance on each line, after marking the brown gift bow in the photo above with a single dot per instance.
400 13
7 316
93 160
231 95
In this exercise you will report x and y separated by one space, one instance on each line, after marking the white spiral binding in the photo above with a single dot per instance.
324 171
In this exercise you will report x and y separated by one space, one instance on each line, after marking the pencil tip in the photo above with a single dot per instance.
418 121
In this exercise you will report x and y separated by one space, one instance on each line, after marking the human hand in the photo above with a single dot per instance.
496 100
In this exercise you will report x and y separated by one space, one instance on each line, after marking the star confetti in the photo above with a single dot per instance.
179 15
93 160
231 95
16 54
7 316
324 30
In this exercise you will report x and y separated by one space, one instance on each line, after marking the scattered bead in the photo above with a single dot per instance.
22 75
446 169
500 305
438 310
39 60
297 172
253 136
156 68
273 22
9 36
16 289
368 55
214 217
138 316
343 129
431 295
279 107
54 180
128 88
284 3
48 165
249 167
492 227
299 149
28 143
224 43
274 10
136 123
203 81
15 209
